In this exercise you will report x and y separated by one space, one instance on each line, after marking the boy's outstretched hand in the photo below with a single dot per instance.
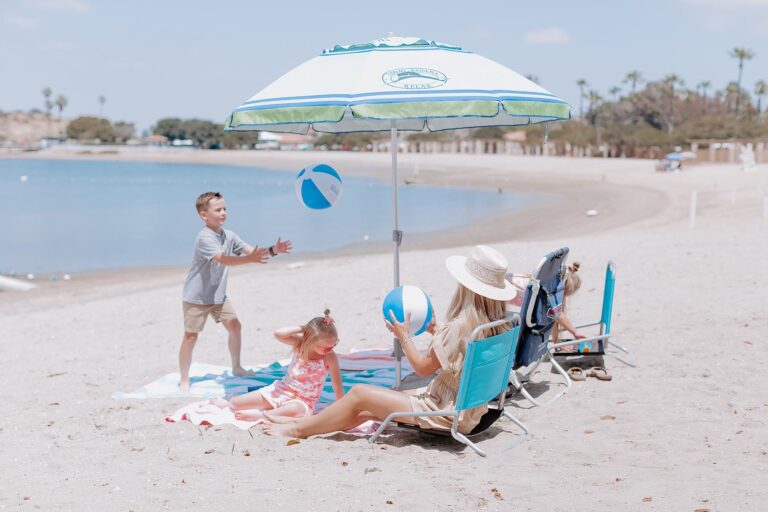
283 247
259 255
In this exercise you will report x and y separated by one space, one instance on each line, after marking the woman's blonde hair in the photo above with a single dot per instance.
470 309
572 284
316 329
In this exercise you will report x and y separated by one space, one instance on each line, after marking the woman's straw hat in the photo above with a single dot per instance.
483 272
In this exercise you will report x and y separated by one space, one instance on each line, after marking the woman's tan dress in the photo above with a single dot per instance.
449 345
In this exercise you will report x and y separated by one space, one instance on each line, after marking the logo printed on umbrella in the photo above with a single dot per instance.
414 78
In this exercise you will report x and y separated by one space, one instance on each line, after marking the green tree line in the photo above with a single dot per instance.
90 129
204 134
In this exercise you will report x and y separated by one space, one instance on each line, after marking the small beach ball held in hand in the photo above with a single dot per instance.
318 186
409 299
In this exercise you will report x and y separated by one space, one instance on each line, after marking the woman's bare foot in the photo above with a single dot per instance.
184 386
249 415
221 403
242 372
281 430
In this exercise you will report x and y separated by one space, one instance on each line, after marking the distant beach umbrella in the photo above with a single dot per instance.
397 84
680 156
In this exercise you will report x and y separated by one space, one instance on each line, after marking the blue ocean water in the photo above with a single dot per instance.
74 216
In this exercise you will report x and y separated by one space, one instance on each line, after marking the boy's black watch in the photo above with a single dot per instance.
272 251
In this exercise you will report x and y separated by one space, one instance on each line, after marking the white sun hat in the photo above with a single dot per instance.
483 272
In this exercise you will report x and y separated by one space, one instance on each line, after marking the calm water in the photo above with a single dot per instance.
72 216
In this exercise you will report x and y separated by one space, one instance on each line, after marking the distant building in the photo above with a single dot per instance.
156 140
284 141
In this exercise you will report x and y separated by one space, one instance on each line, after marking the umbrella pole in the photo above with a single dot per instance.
397 237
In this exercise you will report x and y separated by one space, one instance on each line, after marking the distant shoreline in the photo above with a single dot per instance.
574 186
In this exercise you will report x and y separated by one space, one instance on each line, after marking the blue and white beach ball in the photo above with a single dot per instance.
318 186
409 299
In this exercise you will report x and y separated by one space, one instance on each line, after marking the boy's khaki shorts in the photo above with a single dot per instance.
196 314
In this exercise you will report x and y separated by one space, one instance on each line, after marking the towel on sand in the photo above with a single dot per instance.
375 367
370 366
205 413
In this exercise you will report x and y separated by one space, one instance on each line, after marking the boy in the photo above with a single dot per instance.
205 290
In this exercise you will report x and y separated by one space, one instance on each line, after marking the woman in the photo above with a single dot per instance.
479 298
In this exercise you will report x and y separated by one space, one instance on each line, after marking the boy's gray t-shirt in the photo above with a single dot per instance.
207 279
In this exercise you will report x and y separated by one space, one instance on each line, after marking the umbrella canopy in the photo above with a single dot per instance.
678 156
419 83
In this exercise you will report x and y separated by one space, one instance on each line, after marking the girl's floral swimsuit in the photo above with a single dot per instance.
303 383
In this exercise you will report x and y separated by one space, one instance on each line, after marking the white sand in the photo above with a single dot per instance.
684 431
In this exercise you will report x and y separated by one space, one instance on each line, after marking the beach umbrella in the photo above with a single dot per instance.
680 156
396 84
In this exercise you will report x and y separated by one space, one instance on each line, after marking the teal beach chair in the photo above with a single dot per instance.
602 343
484 379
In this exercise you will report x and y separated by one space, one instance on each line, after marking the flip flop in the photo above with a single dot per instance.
576 373
599 373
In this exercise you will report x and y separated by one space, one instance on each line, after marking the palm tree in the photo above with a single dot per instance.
614 91
706 84
594 101
741 54
670 81
60 102
761 89
102 101
634 78
582 84
731 92
48 104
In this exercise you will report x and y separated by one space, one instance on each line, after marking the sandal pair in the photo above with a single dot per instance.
598 372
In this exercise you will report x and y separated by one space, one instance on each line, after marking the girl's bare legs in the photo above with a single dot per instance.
361 403
252 400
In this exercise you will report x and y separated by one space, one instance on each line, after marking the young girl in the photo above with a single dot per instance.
296 394
572 285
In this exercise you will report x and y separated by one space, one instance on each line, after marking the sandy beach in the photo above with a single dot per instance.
686 430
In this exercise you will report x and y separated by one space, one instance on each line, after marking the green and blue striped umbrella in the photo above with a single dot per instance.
414 82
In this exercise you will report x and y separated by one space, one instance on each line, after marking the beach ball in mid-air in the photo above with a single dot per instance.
409 299
318 186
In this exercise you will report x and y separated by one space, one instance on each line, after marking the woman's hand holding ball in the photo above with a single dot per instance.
400 330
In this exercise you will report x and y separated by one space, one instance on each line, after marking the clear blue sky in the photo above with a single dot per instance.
201 58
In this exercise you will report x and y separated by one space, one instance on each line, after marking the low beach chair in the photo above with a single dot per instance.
542 304
601 344
484 379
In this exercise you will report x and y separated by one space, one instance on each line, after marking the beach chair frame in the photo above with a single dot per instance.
484 378
604 338
518 378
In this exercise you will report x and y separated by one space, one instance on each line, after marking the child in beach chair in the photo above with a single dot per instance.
296 394
589 351
542 305
572 283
